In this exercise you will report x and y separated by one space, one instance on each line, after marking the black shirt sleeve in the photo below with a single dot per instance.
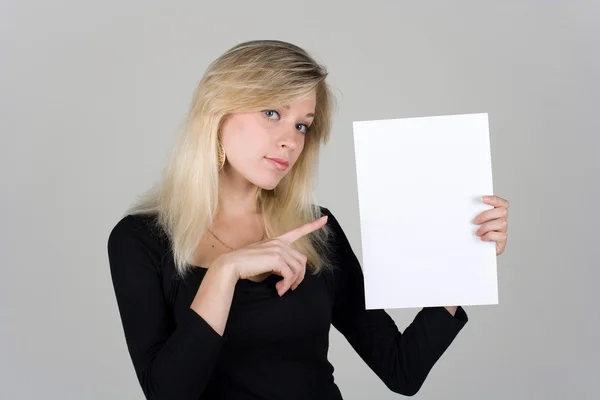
171 362
401 360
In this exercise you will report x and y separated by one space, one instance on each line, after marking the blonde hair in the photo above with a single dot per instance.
251 76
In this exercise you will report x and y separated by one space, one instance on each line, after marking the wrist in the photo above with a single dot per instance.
451 309
225 270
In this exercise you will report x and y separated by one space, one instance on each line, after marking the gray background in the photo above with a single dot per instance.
92 92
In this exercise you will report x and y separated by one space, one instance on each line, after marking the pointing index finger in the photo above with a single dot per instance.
292 235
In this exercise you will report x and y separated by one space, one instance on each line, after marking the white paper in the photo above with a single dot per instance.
420 182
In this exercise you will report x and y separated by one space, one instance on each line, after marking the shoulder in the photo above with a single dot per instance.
334 228
338 245
138 233
345 267
139 226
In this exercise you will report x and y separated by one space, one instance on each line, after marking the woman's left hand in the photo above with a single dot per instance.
494 222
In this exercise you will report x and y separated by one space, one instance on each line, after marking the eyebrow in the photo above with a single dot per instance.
309 115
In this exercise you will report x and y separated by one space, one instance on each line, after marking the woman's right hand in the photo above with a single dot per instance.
275 255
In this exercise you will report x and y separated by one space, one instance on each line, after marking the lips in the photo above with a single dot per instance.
279 163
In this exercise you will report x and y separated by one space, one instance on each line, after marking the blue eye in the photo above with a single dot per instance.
271 114
303 128
274 115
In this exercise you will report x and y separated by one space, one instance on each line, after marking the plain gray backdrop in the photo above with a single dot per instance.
92 94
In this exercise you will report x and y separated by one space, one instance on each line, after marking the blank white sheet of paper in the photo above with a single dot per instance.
420 182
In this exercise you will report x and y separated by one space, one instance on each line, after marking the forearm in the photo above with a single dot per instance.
214 296
401 359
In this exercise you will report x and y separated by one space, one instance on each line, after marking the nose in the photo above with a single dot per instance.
288 137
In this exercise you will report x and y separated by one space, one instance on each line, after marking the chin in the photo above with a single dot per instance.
267 185
266 182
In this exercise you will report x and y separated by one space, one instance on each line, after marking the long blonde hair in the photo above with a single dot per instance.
251 76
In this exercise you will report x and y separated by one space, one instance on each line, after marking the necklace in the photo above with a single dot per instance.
225 244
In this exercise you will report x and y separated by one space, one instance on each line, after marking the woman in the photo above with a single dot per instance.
228 276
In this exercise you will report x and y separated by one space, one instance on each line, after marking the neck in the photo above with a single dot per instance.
237 196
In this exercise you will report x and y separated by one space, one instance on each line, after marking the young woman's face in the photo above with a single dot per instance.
263 146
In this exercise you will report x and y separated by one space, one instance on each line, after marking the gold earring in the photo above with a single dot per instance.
220 154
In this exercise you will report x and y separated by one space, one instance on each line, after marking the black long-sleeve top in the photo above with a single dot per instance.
272 347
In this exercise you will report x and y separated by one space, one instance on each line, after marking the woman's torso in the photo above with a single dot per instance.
274 347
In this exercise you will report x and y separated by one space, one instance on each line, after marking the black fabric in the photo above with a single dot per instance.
272 347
